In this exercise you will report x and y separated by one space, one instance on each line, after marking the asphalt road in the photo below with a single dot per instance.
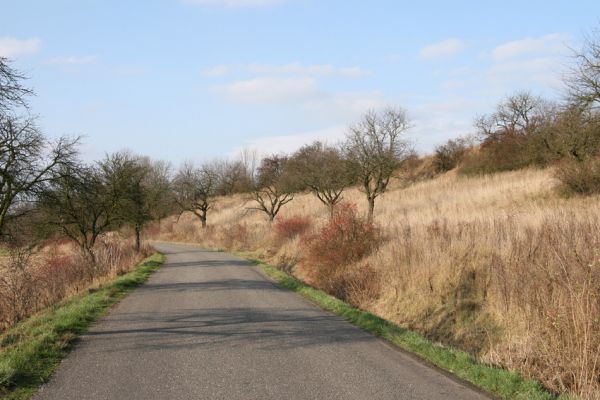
209 326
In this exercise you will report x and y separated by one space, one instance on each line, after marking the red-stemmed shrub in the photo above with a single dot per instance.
344 240
289 228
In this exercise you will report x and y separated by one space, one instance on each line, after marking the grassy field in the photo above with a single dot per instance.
501 266
31 350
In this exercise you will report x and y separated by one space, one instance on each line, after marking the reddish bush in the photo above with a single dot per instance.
30 282
344 240
289 228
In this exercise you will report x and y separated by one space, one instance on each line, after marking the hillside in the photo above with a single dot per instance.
499 265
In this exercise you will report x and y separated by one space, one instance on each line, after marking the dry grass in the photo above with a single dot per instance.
501 266
31 281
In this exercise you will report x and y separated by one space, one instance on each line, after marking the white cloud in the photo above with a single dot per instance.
548 44
543 71
345 105
234 3
217 70
269 90
444 48
12 47
290 143
286 69
73 60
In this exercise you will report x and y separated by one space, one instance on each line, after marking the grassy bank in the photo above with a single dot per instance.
500 382
31 350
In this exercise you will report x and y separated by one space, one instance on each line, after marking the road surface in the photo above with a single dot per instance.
208 325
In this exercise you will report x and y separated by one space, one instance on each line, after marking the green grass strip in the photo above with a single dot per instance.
30 351
500 382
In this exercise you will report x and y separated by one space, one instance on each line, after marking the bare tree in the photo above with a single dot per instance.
158 184
233 177
125 179
583 81
375 148
518 116
28 161
195 189
273 187
12 91
323 170
81 206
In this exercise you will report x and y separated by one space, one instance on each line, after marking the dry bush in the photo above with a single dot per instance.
18 295
342 241
579 177
235 237
290 227
30 282
449 155
359 286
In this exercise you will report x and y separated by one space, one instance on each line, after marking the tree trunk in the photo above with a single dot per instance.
331 209
138 244
203 221
371 209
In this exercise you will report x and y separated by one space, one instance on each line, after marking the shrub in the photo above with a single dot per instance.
236 237
289 228
344 240
449 155
580 177
359 287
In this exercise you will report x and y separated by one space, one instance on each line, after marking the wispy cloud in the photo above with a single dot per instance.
269 90
234 3
72 60
13 47
289 143
444 48
286 69
548 44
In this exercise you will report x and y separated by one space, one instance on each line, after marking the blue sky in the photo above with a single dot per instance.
198 79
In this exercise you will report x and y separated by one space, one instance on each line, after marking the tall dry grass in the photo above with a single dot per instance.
499 265
32 281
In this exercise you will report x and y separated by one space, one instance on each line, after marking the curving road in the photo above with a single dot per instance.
209 326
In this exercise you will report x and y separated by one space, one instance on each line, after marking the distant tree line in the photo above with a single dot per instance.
46 189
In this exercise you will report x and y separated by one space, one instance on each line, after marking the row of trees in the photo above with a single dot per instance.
526 130
374 149
45 186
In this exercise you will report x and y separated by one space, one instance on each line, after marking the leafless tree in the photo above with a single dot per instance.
80 205
375 148
583 80
158 184
125 177
195 189
28 161
323 170
234 177
13 93
273 187
517 116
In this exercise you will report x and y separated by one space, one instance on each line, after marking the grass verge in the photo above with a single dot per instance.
497 381
31 350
